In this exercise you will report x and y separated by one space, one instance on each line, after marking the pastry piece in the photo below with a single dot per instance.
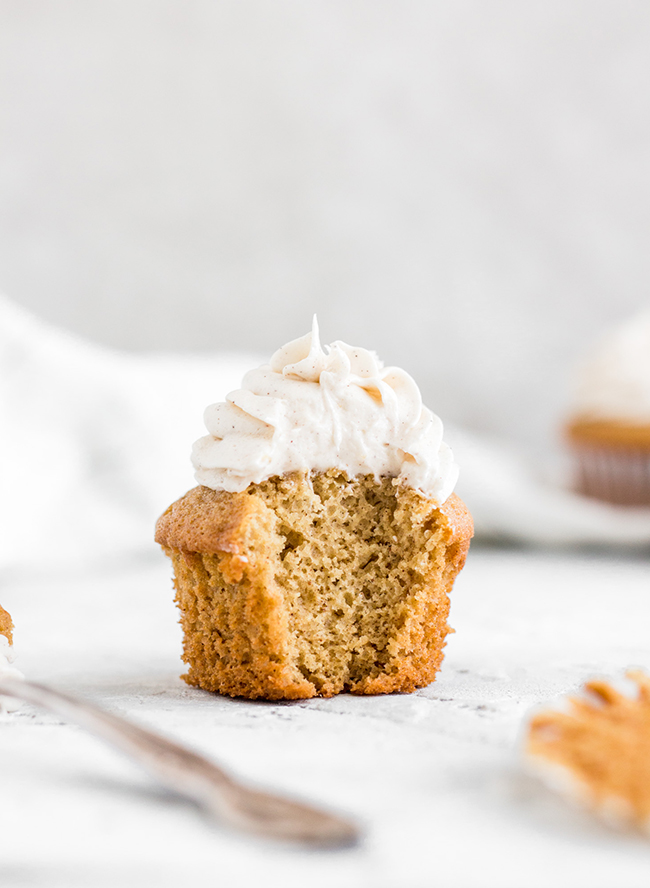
314 584
6 626
609 429
598 750
319 550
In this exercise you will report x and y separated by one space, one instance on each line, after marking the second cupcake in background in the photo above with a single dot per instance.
609 429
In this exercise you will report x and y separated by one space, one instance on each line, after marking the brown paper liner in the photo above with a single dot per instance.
615 475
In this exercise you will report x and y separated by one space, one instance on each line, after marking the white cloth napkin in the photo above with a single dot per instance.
94 444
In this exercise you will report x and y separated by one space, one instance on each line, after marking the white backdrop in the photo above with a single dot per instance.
463 186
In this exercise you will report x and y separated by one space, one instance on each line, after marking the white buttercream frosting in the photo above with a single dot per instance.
614 381
312 409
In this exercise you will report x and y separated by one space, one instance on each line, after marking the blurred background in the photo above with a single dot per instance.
462 186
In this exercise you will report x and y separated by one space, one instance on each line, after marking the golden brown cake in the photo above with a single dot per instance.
317 553
599 749
312 585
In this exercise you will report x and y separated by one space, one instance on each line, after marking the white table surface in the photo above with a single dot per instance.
434 776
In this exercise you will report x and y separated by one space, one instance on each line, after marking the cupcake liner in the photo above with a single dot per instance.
615 475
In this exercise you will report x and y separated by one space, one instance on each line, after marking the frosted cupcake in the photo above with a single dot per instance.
609 431
319 549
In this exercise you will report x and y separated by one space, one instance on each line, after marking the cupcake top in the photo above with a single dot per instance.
312 409
614 381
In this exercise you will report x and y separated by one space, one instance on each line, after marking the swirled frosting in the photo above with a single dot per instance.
312 409
614 381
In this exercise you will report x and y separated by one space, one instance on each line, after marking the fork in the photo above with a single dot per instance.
191 775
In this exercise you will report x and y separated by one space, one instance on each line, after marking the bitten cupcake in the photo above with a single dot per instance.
609 430
319 549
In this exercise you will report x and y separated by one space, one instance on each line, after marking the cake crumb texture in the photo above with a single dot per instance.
6 625
309 585
603 744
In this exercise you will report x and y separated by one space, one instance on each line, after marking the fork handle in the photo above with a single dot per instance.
192 775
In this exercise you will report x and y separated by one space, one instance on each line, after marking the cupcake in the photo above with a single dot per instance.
317 553
609 430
